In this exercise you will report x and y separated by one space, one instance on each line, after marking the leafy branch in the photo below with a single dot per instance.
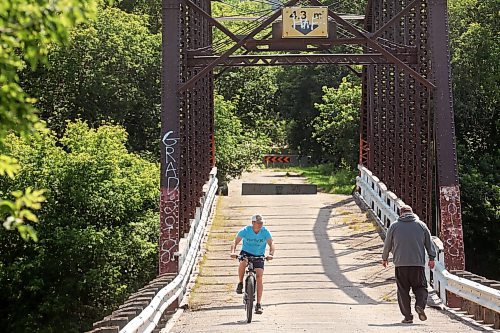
20 211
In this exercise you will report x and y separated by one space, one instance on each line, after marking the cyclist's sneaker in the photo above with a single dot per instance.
258 308
421 313
239 288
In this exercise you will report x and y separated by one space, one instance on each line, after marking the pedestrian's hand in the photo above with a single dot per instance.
234 255
385 263
432 263
269 257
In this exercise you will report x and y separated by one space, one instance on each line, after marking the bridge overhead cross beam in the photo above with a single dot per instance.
306 59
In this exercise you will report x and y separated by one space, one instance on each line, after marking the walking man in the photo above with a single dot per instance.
407 239
255 237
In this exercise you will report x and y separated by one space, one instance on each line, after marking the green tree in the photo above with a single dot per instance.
248 8
347 6
109 71
151 8
475 42
253 92
480 196
98 242
475 46
299 88
27 29
236 148
337 126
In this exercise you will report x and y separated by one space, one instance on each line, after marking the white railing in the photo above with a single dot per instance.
384 206
147 320
383 203
472 291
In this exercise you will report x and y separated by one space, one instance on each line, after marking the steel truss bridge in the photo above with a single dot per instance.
407 135
407 141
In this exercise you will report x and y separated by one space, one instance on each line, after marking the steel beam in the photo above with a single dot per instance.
446 157
396 17
211 19
242 41
396 123
170 138
299 43
376 46
287 59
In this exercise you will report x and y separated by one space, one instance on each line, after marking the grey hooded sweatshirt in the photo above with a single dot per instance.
407 239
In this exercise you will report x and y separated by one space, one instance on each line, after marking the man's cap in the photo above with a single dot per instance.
257 218
405 209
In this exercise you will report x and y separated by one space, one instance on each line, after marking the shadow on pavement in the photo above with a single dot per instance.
273 304
328 255
394 325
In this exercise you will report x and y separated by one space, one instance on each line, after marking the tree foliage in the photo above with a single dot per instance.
475 44
150 8
337 126
27 29
299 88
480 196
242 8
98 242
109 71
347 6
236 148
253 93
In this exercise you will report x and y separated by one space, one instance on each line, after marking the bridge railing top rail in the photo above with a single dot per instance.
382 201
473 291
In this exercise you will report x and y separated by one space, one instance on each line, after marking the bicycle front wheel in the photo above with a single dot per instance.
250 291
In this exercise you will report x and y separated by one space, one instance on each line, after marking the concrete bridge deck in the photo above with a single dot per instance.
326 276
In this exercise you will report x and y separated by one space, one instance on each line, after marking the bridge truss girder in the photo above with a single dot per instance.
305 59
407 135
407 130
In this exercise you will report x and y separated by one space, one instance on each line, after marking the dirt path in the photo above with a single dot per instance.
326 276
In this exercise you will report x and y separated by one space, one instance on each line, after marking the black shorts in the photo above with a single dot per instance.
256 263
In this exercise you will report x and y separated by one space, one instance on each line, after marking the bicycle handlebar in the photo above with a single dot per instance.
242 257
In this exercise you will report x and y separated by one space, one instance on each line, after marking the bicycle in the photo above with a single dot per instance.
250 284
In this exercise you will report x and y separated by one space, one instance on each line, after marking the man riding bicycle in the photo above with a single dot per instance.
255 237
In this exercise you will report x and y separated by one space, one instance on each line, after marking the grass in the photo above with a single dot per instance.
355 220
389 297
362 226
218 230
218 234
196 300
328 178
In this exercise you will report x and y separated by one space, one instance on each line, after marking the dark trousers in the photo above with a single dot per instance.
411 277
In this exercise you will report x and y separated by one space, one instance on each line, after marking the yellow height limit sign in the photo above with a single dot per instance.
305 22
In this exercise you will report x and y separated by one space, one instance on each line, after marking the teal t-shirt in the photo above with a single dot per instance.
254 243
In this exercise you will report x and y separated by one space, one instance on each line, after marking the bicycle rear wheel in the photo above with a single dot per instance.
250 291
